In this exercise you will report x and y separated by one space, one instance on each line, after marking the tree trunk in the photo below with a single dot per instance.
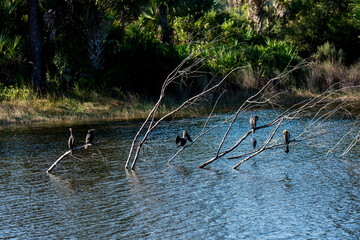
257 13
165 38
35 46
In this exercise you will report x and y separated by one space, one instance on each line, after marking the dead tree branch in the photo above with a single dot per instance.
324 105
241 109
310 130
265 144
277 145
154 124
67 153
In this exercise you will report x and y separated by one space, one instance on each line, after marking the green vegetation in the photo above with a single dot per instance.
122 51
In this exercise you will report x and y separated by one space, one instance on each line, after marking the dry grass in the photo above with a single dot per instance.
69 110
45 110
323 75
36 110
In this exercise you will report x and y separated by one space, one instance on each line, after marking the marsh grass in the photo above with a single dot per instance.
70 108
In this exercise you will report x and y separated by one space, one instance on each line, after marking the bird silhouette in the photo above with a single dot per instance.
253 123
71 141
286 140
253 142
182 140
89 137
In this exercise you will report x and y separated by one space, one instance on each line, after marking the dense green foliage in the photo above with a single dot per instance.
114 47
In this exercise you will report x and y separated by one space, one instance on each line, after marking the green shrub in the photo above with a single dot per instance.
274 55
12 93
12 67
328 52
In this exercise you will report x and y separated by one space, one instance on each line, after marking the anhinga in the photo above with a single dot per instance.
89 137
182 140
253 123
286 140
71 141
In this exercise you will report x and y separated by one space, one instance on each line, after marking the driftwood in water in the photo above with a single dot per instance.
67 153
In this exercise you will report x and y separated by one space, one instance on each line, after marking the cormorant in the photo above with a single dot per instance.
286 140
253 123
71 141
89 137
253 142
182 140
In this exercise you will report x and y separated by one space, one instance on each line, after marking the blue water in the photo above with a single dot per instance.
300 195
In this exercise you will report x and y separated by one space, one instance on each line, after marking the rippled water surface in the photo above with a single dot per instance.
300 195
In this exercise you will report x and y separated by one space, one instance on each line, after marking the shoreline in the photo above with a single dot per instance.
40 111
19 113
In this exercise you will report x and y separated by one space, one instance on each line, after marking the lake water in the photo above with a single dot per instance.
300 195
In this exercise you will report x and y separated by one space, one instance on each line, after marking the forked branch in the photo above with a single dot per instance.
67 153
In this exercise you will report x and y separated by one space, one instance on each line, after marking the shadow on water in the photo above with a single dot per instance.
299 195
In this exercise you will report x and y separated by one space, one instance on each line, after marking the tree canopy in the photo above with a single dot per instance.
115 47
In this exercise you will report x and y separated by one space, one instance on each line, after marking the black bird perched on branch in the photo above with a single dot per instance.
253 123
253 142
89 137
286 140
71 141
182 140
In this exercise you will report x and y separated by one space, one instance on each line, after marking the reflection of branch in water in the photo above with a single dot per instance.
104 160
65 185
133 178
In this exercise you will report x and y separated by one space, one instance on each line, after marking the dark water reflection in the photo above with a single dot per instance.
300 195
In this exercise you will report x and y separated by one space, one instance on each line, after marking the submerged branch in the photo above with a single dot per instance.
184 104
67 153
276 145
241 109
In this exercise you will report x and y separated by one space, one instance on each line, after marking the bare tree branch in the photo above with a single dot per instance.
67 153
241 109
188 101
265 144
324 104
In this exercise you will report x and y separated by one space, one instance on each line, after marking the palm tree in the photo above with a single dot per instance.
35 46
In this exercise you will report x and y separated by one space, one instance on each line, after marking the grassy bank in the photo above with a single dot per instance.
47 110
69 109
33 109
